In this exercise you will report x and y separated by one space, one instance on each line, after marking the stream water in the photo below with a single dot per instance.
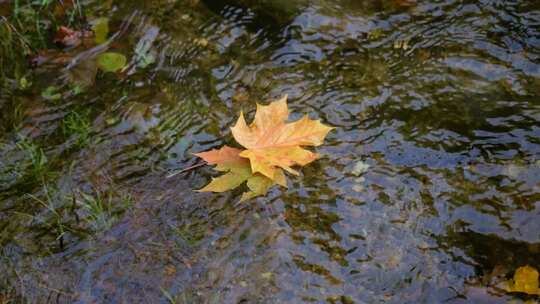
427 191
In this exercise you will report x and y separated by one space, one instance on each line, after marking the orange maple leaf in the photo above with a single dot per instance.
272 143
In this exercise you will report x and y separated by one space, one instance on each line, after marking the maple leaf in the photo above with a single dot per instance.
273 144
237 171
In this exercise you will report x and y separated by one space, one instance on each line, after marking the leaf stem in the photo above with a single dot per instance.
186 169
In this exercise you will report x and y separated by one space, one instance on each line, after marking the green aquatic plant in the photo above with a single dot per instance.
51 93
78 125
168 296
13 49
12 119
38 163
191 233
101 208
8 292
56 223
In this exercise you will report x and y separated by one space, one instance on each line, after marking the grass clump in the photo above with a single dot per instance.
36 161
102 208
58 217
53 219
77 125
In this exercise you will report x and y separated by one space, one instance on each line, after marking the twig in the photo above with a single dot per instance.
58 291
186 169
20 281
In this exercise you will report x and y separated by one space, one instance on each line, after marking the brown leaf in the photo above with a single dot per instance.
67 37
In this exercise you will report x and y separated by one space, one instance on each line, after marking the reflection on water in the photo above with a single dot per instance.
439 99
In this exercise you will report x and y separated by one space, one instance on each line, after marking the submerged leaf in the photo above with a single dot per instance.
405 3
83 74
111 62
100 27
525 280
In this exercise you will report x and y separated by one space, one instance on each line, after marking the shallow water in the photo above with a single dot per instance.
441 99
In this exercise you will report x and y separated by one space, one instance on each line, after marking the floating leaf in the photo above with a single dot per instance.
525 280
61 8
237 171
111 62
100 27
272 143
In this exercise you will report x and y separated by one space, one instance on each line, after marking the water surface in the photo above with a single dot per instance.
441 99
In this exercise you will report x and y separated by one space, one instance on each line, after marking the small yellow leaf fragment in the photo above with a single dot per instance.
227 181
266 275
525 281
170 270
258 185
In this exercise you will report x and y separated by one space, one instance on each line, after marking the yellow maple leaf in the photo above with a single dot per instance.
237 171
273 144
525 280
